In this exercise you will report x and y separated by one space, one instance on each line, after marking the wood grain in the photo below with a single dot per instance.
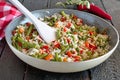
2 45
35 5
113 9
36 74
11 68
19 0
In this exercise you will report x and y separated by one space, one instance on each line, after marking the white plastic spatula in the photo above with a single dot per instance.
46 32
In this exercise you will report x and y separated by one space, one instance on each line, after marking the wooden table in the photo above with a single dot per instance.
12 68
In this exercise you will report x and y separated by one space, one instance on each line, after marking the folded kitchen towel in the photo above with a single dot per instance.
7 13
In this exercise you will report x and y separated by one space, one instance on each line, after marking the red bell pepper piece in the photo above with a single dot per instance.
69 53
45 48
63 19
68 25
77 58
57 45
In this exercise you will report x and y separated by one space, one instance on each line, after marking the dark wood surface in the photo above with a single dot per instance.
12 68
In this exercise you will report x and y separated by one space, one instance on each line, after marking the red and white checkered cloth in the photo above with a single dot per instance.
7 13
